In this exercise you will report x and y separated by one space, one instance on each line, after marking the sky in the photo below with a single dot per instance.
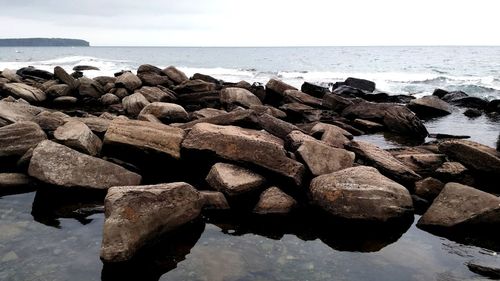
255 22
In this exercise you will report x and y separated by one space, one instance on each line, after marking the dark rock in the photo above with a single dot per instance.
175 75
274 201
233 180
121 93
361 193
136 215
384 97
90 88
295 139
470 102
134 103
154 79
206 78
422 163
323 159
273 111
17 138
12 183
59 90
454 95
360 84
77 135
238 96
148 68
368 126
31 72
429 106
96 124
335 102
314 90
214 200
349 92
349 128
473 113
103 80
64 77
194 86
473 155
26 92
50 121
493 106
291 96
447 136
128 81
485 269
84 67
166 112
440 93
428 188
109 99
59 165
275 91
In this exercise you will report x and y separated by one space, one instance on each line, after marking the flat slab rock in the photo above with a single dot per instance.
323 159
135 215
473 155
361 193
11 112
17 138
59 165
233 180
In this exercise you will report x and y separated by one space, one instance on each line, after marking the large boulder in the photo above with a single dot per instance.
323 159
17 138
166 112
245 145
136 215
214 200
429 106
155 94
314 90
335 102
361 193
233 180
134 103
195 86
331 134
274 201
462 206
77 135
300 97
175 74
128 81
238 96
90 88
384 161
275 90
144 138
428 188
26 92
59 165
473 155
11 112
273 125
362 84
67 79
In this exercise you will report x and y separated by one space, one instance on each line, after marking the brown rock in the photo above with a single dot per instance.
422 163
233 180
368 126
166 112
331 134
295 139
429 106
97 125
109 99
134 103
291 96
59 90
238 96
214 200
207 113
67 79
90 88
428 188
175 75
278 87
194 86
155 94
335 102
128 81
274 201
323 159
26 92
77 135
17 138
473 155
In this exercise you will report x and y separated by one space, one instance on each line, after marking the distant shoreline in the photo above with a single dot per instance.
43 42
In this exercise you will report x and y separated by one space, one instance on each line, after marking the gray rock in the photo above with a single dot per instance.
90 88
429 106
323 159
59 90
128 81
278 87
233 180
362 84
77 135
11 112
473 155
166 112
11 75
136 215
67 79
361 193
214 200
462 206
238 96
17 138
59 165
26 92
274 201
97 125
134 103
175 74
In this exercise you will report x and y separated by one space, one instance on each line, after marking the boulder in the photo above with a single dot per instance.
155 94
206 78
109 99
274 201
67 79
65 101
214 200
233 180
422 163
384 161
103 80
121 92
245 145
145 68
134 103
295 139
144 138
137 215
300 97
231 118
279 87
50 121
428 188
80 68
454 95
440 93
59 90
335 102
238 96
470 102
314 90
33 73
207 113
59 165
90 88
273 125
429 106
166 112
154 79
273 111
175 75
128 81
194 86
368 126
473 112
96 124
361 193
473 155
323 159
462 206
331 134
77 135
348 92
362 84
17 138
26 92
11 75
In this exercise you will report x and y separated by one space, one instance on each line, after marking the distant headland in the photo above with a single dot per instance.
43 42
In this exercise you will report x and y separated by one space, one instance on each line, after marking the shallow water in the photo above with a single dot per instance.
31 250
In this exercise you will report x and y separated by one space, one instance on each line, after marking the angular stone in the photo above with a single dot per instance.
238 96
323 159
96 124
214 200
428 188
360 84
429 106
314 90
384 161
462 206
368 126
331 134
230 118
273 111
166 112
145 137
361 193
154 79
17 138
335 102
194 86
278 87
90 88
109 99
50 121
422 163
473 155
300 97
155 94
59 165
233 180
77 135
26 92
295 139
58 90
134 103
175 74
250 146
136 215
128 81
207 113
67 79
273 125
274 201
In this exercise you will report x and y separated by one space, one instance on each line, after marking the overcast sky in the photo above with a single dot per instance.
255 22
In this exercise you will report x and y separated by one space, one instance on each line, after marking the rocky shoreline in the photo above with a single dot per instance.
166 149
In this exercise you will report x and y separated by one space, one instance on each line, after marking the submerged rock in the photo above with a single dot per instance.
233 180
274 201
361 193
17 138
59 165
136 215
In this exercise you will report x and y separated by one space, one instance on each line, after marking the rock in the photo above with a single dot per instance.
314 90
245 145
383 161
103 80
144 68
128 81
429 106
454 95
153 79
490 270
260 109
323 159
144 138
207 113
97 125
90 88
238 96
233 180
65 101
349 92
12 182
59 90
470 102
422 163
291 96
134 103
77 135
386 98
11 112
461 206
361 193
17 138
33 73
440 93
136 215
166 112
331 134
206 78
64 77
273 125
109 99
362 84
194 86
214 200
275 90
335 102
50 121
230 118
368 126
155 94
428 188
26 92
121 93
274 201
84 67
349 128
473 112
11 75
59 165
493 106
295 139
473 155
175 75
